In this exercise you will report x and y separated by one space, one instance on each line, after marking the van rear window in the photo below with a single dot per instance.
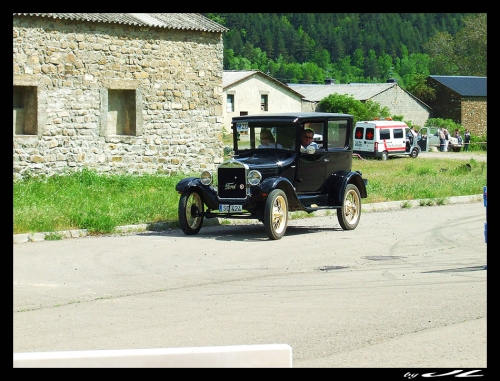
368 131
358 133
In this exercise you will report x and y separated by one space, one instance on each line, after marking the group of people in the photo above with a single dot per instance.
444 138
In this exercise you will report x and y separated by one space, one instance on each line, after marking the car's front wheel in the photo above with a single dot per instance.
350 213
276 214
190 212
414 152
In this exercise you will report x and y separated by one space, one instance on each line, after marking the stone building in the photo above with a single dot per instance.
462 99
117 92
390 95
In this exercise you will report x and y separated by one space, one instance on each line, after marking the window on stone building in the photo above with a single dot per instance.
25 110
263 102
121 116
230 102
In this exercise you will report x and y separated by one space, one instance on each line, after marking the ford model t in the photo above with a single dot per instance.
279 163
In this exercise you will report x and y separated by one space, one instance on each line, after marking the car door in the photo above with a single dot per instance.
311 167
338 147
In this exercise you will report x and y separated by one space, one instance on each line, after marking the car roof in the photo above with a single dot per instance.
382 123
290 117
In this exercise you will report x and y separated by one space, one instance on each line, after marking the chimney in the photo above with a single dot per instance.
392 80
329 81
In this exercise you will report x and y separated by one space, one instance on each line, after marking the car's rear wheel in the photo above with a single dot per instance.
384 156
190 212
276 214
350 213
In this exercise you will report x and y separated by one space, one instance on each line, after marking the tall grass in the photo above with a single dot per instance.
99 202
405 178
96 202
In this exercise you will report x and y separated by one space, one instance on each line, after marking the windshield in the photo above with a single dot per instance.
265 135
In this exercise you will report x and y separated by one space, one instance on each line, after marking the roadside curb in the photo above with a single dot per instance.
162 226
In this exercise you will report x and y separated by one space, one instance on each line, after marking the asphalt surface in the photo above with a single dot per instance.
405 289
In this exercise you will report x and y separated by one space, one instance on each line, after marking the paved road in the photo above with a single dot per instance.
478 156
406 289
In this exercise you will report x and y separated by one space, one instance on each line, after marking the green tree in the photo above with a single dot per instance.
470 46
462 54
346 104
419 88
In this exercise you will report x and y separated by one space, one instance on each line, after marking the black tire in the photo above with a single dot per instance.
414 152
190 212
350 213
384 156
276 214
456 149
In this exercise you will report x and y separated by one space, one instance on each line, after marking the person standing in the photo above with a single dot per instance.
442 139
414 134
447 139
466 140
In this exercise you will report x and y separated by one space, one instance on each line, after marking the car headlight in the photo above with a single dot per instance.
206 178
254 177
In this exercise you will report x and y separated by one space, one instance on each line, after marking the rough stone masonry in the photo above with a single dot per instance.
71 77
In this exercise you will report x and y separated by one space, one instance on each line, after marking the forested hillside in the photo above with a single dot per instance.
355 47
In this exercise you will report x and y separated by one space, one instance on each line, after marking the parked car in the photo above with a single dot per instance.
267 184
453 145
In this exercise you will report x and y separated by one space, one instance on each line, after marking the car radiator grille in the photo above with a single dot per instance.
232 182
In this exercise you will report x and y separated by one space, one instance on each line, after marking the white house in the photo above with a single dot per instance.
249 92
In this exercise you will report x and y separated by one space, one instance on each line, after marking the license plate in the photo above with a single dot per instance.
358 144
229 208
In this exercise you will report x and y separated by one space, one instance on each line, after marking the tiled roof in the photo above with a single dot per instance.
184 21
464 85
230 77
359 91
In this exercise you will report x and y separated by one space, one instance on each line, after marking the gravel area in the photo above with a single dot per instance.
478 156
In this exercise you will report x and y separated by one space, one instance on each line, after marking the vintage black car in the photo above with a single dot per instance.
267 183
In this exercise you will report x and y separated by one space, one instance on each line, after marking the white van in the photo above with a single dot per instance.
381 138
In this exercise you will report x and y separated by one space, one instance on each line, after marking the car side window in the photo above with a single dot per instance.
337 133
385 133
398 133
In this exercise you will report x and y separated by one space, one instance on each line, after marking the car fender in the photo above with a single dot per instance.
337 182
276 182
207 193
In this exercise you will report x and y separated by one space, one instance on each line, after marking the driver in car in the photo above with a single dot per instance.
307 139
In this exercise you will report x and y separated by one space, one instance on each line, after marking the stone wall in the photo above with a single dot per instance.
173 76
399 102
474 115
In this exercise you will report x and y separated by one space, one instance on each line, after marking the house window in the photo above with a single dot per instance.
121 112
25 110
230 102
263 102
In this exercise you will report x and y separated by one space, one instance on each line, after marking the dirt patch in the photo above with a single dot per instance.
478 156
